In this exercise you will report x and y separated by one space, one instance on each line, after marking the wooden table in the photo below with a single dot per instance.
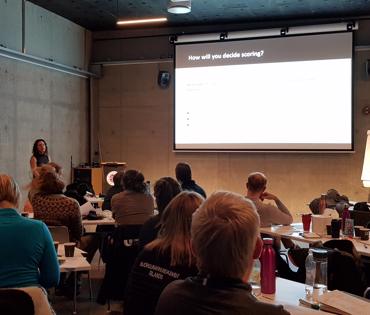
294 232
288 294
74 264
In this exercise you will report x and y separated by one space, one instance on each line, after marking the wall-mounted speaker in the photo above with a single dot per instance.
164 78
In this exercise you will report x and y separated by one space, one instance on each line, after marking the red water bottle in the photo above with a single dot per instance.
268 267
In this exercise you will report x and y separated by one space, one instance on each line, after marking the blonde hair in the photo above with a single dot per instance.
9 190
174 234
225 226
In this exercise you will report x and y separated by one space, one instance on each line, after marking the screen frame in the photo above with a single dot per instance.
350 150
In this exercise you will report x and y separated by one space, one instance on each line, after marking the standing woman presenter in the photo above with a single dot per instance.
39 155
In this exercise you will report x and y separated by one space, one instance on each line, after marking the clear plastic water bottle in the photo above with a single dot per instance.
255 278
345 216
320 260
268 267
310 275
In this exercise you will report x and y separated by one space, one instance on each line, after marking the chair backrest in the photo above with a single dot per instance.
120 249
360 217
13 301
59 233
345 270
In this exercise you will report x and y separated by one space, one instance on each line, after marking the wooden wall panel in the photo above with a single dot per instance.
145 140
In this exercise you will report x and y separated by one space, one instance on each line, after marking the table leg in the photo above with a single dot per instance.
75 294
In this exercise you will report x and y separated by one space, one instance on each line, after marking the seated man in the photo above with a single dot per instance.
225 225
269 214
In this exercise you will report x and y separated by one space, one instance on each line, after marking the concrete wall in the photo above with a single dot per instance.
36 102
135 126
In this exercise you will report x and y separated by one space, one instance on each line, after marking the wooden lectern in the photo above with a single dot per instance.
98 177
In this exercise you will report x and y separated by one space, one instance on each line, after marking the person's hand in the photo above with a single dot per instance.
268 196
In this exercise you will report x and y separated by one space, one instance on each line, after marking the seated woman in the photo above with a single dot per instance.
167 258
26 246
165 189
52 207
134 205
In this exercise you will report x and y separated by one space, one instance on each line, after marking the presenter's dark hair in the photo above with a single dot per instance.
183 172
134 180
35 152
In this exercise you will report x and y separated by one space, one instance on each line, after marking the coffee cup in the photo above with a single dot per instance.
69 249
364 234
335 228
306 220
357 230
56 244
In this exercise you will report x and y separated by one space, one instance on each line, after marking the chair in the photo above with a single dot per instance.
121 248
59 233
345 270
360 217
13 301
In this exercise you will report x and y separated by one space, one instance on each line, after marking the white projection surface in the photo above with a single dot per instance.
276 94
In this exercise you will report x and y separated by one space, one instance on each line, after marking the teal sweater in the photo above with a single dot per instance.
27 254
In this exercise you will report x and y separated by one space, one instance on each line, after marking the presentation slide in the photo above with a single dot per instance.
275 94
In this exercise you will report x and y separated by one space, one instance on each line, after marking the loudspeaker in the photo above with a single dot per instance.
89 175
164 78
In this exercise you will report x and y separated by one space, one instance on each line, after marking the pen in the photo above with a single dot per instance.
315 306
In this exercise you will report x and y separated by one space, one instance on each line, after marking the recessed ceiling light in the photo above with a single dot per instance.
140 21
179 6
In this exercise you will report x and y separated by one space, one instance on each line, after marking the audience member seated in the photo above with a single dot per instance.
165 189
225 240
164 260
272 214
52 207
28 257
133 205
269 214
333 200
78 191
115 189
183 175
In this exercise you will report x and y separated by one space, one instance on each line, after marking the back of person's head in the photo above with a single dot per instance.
82 188
225 225
49 181
175 233
35 150
183 172
256 182
165 189
134 180
9 190
117 178
56 166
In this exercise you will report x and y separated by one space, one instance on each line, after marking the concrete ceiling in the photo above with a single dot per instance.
98 15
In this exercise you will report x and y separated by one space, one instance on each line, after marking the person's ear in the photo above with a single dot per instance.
257 248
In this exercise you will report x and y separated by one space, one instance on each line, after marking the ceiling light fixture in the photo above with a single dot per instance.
141 21
179 6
